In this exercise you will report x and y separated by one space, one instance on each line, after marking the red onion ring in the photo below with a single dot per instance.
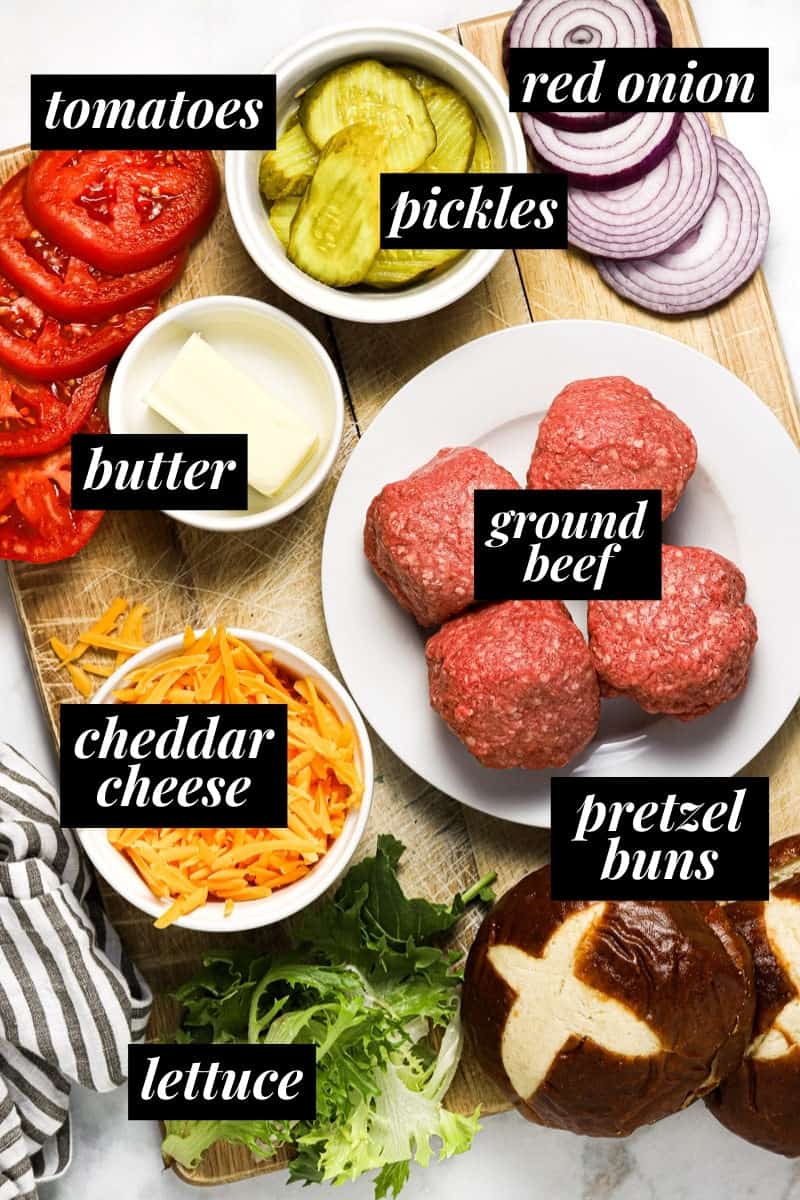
606 158
593 24
585 23
647 217
582 122
711 261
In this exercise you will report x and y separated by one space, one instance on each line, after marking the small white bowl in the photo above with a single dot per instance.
273 349
247 914
301 65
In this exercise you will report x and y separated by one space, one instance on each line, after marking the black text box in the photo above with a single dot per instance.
156 112
176 471
222 1082
609 840
451 211
522 551
112 771
585 80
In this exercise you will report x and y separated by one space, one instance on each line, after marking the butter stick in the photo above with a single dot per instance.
201 392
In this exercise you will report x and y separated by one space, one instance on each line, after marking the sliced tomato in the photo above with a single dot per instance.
42 347
62 284
122 210
38 417
36 522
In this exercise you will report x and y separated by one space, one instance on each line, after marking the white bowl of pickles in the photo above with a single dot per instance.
352 101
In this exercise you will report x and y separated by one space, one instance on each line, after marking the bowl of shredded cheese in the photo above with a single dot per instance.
226 880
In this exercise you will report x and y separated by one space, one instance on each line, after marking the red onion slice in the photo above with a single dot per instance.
711 261
606 158
588 23
646 217
566 24
582 122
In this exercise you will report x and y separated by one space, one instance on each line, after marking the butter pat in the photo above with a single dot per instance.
201 392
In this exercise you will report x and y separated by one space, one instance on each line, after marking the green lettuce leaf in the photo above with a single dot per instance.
366 984
396 1123
187 1141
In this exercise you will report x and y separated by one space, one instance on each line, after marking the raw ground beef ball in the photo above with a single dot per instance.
682 655
419 532
611 433
515 683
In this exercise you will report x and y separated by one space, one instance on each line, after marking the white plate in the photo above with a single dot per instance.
743 501
269 346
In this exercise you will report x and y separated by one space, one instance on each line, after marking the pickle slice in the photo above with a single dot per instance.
393 268
455 126
286 170
418 78
281 215
335 233
369 93
482 155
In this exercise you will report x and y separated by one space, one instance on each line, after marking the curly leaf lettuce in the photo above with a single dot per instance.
396 1125
367 985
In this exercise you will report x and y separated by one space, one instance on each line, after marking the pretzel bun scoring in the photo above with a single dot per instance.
599 1017
761 1100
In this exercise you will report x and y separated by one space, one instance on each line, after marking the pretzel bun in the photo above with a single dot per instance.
761 1100
599 1017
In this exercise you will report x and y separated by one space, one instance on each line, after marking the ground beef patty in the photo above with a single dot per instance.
419 532
684 654
611 433
515 683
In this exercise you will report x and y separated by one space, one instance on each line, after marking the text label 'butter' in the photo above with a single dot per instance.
173 471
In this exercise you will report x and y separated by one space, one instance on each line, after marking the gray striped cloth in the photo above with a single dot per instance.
70 1000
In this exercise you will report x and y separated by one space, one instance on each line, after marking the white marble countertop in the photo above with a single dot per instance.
689 1156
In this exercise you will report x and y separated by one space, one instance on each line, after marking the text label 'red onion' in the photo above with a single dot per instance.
493 211
586 80
141 765
151 112
659 839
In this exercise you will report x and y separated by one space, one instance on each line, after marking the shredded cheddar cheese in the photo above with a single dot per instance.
80 679
191 866
103 635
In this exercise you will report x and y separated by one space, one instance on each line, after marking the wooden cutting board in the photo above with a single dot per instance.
270 579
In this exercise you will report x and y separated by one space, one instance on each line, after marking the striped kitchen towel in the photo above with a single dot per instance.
70 1000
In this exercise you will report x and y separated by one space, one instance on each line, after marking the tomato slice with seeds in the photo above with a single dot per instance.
122 210
36 522
39 346
62 284
38 417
